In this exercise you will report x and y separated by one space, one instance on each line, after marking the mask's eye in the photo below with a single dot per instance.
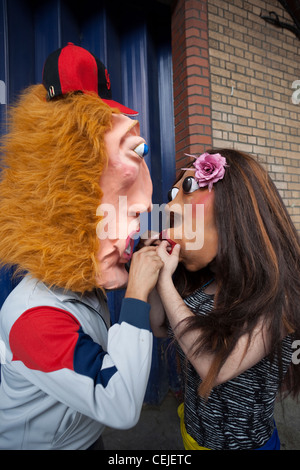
190 185
141 150
172 193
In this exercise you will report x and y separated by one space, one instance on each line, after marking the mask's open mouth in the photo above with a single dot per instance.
128 252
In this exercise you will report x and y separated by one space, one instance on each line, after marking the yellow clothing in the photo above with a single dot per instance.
188 442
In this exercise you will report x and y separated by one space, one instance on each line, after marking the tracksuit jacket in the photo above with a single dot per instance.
67 373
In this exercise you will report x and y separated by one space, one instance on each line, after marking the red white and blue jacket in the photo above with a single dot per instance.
67 373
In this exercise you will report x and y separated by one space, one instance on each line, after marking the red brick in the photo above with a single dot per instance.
191 75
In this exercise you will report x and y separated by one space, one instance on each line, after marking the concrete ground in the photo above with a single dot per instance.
158 428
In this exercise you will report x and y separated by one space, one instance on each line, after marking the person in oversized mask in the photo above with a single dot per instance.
230 290
70 158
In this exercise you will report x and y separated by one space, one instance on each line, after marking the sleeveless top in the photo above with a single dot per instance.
238 414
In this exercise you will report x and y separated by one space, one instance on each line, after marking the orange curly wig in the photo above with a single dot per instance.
52 160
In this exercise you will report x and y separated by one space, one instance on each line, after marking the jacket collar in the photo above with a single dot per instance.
94 299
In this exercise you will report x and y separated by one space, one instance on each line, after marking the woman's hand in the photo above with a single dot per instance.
170 260
149 238
143 274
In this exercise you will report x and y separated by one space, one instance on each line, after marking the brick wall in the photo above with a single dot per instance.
233 76
252 68
192 106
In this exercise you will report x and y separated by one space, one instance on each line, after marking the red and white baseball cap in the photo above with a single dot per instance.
73 68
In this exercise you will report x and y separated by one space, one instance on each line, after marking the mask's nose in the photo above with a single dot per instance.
173 214
140 208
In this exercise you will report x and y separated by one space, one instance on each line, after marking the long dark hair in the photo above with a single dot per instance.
257 267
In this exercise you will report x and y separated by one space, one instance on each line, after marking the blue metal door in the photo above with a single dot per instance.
133 40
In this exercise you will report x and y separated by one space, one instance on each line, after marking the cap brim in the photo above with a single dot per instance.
121 107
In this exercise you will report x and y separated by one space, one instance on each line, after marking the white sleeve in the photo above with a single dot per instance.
106 385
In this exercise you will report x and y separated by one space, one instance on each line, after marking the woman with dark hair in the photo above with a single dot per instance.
230 288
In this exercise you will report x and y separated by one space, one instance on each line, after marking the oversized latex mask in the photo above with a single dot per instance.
72 162
192 223
127 191
191 212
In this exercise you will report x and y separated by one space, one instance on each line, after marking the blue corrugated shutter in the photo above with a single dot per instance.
133 40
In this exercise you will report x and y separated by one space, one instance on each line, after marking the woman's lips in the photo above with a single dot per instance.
163 236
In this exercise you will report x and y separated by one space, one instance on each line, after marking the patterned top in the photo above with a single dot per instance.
239 413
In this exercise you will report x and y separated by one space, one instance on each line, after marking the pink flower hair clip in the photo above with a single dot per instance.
209 168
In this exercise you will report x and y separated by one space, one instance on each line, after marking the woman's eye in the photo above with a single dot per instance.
141 150
190 185
172 194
